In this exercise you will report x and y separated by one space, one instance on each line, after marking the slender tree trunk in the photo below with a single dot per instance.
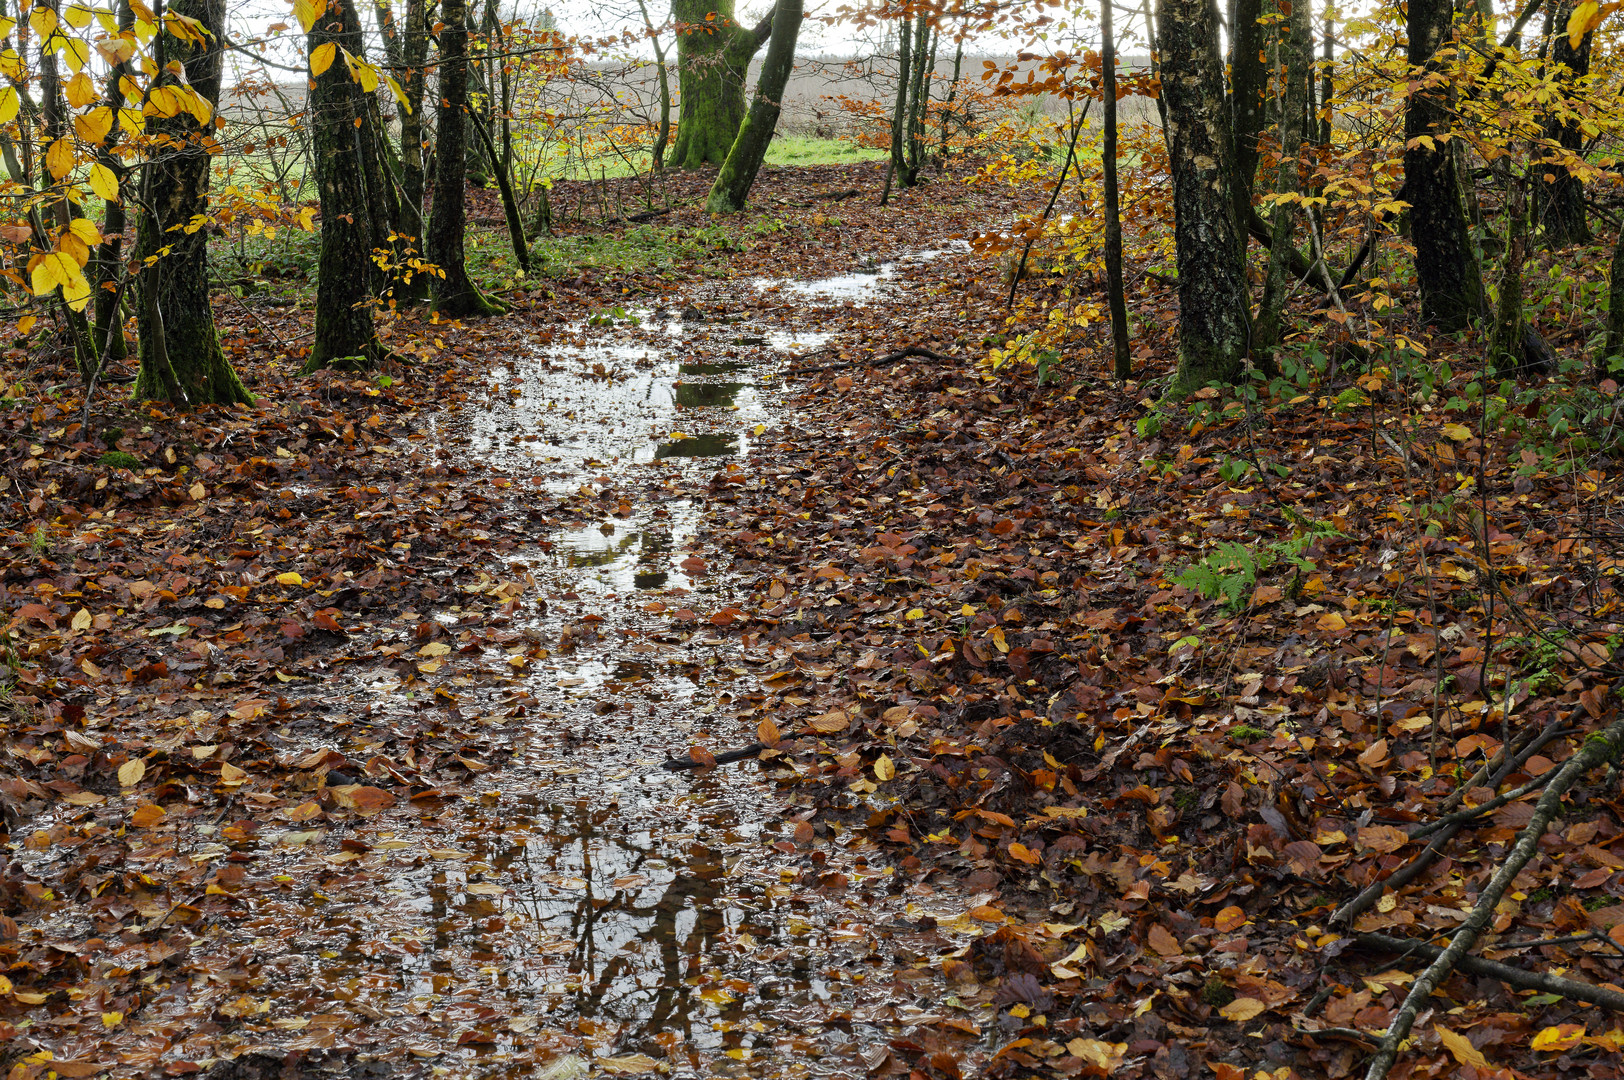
713 59
510 205
1214 323
1297 47
895 171
389 32
662 138
1562 214
1445 261
1610 361
54 126
180 349
1114 288
738 172
1510 323
952 95
1327 81
1248 83
919 93
110 254
346 273
455 294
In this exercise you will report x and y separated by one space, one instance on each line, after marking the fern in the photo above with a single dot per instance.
1231 570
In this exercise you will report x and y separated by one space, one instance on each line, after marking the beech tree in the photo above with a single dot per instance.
1446 265
738 172
345 336
455 294
1214 323
713 58
181 360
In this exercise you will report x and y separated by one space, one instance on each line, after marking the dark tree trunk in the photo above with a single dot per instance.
180 350
1115 290
713 58
454 292
1248 82
346 275
738 172
1562 213
109 255
1297 45
1510 321
1445 261
897 170
1610 362
1214 325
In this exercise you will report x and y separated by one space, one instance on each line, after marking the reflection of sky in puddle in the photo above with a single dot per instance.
860 286
641 553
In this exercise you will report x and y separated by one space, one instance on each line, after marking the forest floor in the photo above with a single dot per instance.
338 726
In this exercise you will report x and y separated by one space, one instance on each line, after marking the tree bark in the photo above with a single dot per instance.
1562 213
176 324
713 58
1445 261
1297 45
738 172
1248 82
454 292
1610 359
1214 323
897 169
1510 323
109 255
1122 363
346 272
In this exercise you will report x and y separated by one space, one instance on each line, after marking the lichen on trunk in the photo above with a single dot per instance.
1214 322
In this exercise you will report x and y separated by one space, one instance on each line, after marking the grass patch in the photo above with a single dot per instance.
796 150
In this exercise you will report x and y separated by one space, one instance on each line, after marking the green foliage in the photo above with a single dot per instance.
1231 570
39 542
118 459
1246 733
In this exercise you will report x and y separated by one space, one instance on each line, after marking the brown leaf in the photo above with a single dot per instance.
1162 940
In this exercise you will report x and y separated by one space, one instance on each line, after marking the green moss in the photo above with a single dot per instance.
118 459
1246 733
1185 798
1217 993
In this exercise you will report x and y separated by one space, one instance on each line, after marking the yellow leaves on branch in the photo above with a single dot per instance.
1585 18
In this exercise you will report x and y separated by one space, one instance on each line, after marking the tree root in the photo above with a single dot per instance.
1604 746
1516 977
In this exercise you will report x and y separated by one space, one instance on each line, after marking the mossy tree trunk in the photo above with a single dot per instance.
414 55
109 254
346 274
1446 265
454 292
713 58
1214 323
180 350
738 172
1610 361
1297 45
1562 213
1510 322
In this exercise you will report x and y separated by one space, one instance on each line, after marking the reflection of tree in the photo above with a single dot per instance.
698 446
702 395
614 985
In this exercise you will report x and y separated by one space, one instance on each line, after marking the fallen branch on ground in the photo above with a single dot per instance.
1602 747
1516 977
743 752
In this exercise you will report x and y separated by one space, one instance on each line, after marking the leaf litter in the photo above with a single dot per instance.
335 736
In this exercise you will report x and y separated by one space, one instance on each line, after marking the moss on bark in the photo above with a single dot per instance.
738 172
713 58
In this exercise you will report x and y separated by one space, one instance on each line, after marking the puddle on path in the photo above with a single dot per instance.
591 907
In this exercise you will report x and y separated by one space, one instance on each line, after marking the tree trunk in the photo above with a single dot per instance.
1610 362
713 58
1297 45
662 138
510 205
1562 214
180 350
1445 262
54 126
895 169
1213 317
1114 288
109 255
924 67
346 273
738 172
1510 323
455 294
1248 82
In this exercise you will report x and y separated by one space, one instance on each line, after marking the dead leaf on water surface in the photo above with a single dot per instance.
627 1065
567 1067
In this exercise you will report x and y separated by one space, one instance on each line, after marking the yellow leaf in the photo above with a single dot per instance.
112 1019
43 21
1585 18
1458 432
103 182
321 57
884 768
1556 1039
1242 1009
307 12
24 325
131 772
9 103
81 619
400 96
74 50
78 16
289 578
998 639
768 732
434 648
85 231
59 158
916 613
94 125
80 91
362 72
1461 1048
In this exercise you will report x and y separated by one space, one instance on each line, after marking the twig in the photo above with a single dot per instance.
1602 747
1462 816
1517 977
743 752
